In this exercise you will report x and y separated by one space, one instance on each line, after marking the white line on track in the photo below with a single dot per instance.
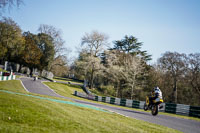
23 85
50 88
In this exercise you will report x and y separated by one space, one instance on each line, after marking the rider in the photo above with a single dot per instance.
156 93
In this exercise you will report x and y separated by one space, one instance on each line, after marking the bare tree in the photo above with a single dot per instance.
9 4
61 52
92 45
174 64
123 69
194 71
59 66
133 68
113 70
95 42
89 66
56 35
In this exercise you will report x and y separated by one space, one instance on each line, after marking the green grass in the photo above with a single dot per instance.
68 91
12 85
26 114
67 80
2 70
18 76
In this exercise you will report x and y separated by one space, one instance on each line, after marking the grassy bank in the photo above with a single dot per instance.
19 113
67 80
12 85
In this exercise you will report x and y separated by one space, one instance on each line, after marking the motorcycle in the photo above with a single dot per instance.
154 107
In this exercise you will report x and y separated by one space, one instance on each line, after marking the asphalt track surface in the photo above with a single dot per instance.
184 125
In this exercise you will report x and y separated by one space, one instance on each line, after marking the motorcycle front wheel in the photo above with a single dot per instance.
154 110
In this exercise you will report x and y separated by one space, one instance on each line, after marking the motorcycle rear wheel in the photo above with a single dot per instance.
145 107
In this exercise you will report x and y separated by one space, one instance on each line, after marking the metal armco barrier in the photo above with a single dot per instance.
170 108
194 111
136 104
104 99
179 109
96 97
112 100
182 109
117 101
129 103
123 102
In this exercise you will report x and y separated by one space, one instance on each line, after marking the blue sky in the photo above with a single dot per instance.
162 25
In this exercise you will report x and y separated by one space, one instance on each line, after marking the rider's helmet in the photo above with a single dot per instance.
156 89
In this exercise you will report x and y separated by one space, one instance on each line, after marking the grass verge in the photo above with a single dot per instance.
67 80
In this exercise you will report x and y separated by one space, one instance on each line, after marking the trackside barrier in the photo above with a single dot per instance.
141 106
104 99
194 111
117 101
123 102
99 98
11 77
164 106
179 109
182 109
136 104
96 97
107 99
112 100
129 103
170 108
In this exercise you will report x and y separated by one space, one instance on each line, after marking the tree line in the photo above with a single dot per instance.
120 71
123 70
42 51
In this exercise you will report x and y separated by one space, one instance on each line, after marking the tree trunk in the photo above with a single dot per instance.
20 67
91 80
132 86
132 91
92 77
175 91
31 72
117 90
